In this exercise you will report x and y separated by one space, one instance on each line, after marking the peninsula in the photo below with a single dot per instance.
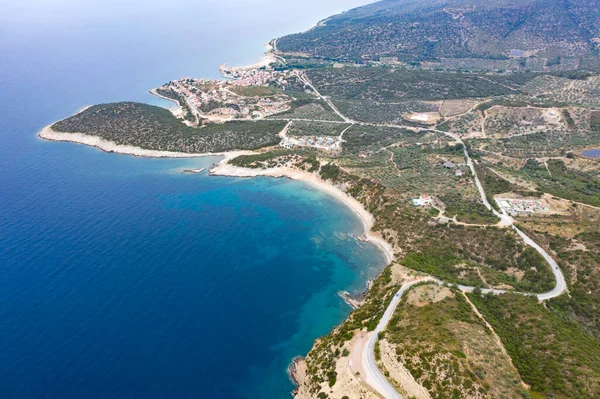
455 130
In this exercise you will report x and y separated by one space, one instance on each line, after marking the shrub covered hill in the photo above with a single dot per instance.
155 128
484 34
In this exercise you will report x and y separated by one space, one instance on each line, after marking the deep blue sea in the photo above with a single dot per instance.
121 277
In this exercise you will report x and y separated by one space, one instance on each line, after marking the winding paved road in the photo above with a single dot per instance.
372 376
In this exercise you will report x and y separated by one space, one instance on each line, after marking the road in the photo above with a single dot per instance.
561 284
373 376
307 82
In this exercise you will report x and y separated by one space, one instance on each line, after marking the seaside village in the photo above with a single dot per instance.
247 96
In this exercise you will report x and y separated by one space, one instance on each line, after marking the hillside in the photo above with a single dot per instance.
433 143
155 128
471 34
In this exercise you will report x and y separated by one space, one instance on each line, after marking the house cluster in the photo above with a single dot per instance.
516 206
423 200
214 99
458 170
254 77
320 143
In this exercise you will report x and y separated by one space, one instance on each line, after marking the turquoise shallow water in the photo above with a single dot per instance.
121 276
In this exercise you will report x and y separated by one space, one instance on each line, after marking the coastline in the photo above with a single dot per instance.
110 146
154 92
268 58
223 168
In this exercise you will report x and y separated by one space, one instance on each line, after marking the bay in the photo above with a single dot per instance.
123 277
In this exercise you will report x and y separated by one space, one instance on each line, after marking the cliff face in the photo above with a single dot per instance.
345 367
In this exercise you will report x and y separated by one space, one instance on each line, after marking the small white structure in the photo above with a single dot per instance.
423 200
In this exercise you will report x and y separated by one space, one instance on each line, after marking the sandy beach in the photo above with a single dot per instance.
267 60
223 168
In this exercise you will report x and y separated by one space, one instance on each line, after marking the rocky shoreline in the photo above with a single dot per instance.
297 372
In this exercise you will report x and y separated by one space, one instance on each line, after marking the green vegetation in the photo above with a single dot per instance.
448 349
595 121
583 302
455 35
400 85
455 253
563 182
330 171
307 107
321 359
262 160
468 211
555 356
310 163
370 138
155 128
254 91
172 94
441 49
547 143
188 115
494 184
382 112
556 89
312 128
442 265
